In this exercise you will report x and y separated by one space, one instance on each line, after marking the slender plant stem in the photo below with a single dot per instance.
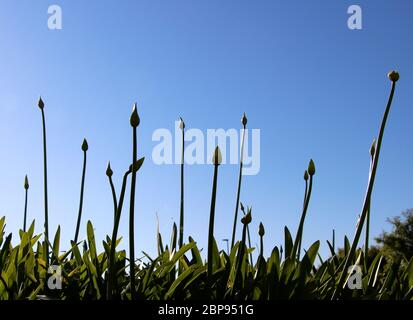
25 210
181 217
249 244
112 274
46 212
211 222
115 201
26 188
234 228
297 241
240 258
82 187
366 244
367 197
304 202
132 217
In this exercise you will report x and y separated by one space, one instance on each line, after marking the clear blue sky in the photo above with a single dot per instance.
315 89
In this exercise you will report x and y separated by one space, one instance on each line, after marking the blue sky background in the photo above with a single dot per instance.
315 89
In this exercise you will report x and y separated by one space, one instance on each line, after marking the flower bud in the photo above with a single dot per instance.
247 218
261 230
40 103
85 146
393 76
134 118
109 171
26 182
244 120
311 168
181 123
217 157
305 175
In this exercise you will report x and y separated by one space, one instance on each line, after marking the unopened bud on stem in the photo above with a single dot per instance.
134 118
109 171
40 103
311 168
244 120
217 157
85 146
393 76
181 124
26 182
261 230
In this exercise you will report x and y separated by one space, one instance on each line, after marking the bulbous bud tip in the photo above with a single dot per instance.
109 171
244 120
181 123
261 230
311 168
247 218
85 146
134 118
393 76
305 175
40 103
217 157
26 182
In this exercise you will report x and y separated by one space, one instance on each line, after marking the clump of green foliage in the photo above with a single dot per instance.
180 272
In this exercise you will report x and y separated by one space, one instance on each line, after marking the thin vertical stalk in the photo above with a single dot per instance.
109 174
246 219
134 121
216 160
249 244
261 233
234 228
85 147
366 243
26 188
46 212
112 274
311 171
181 216
304 202
393 76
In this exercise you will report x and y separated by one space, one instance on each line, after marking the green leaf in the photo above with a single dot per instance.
288 242
56 242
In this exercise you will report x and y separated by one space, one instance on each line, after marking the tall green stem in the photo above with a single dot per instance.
26 187
366 244
181 217
109 174
134 121
393 77
112 274
82 187
216 161
249 244
46 213
297 243
234 228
